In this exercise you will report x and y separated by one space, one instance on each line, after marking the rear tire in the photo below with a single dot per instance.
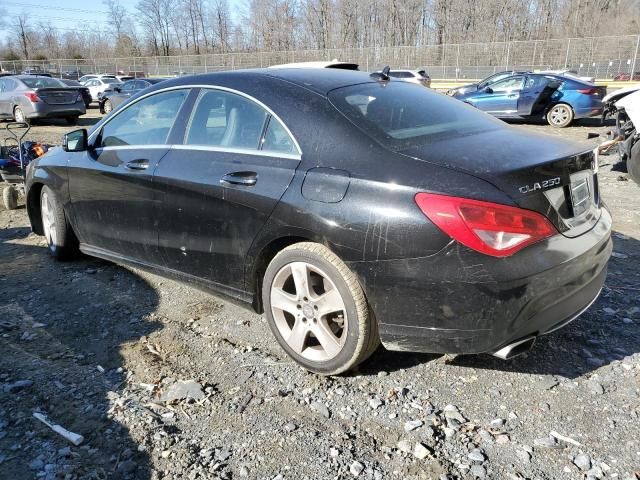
317 310
72 120
107 107
560 115
61 241
10 198
633 163
19 116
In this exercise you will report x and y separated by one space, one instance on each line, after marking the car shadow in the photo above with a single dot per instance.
605 333
62 327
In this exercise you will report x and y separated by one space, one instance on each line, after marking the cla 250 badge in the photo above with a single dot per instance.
552 182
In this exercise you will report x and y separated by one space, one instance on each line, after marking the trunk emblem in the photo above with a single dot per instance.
552 182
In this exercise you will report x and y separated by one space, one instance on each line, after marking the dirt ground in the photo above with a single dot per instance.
96 346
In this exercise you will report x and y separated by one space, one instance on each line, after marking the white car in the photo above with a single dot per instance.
97 86
86 78
331 64
419 77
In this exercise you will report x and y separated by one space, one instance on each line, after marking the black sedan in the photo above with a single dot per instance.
350 209
86 95
118 94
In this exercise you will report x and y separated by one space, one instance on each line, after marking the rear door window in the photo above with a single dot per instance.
277 139
146 122
226 120
398 115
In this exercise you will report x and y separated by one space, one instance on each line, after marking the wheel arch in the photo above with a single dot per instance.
33 207
262 259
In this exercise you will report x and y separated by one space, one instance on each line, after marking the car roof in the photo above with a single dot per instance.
320 81
332 64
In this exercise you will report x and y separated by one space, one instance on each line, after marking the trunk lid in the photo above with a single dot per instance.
58 96
551 176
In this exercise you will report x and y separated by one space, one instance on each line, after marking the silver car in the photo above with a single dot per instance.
27 97
418 77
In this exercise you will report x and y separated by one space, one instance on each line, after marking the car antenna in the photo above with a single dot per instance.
383 75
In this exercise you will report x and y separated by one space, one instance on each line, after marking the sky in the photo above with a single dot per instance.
68 15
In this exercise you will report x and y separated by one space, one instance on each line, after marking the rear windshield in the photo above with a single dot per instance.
42 82
401 115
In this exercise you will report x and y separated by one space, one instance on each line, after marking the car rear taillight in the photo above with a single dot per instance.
589 91
490 228
32 96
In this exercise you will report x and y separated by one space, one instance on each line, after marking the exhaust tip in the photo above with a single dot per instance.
516 348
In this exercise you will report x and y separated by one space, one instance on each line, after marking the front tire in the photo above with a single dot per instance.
560 115
107 107
61 241
317 310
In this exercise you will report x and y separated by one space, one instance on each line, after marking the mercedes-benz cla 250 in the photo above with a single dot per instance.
351 209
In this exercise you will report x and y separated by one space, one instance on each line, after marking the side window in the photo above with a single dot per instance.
127 86
3 85
9 85
146 122
223 119
276 138
508 85
140 84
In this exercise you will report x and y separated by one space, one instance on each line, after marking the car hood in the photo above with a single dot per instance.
463 90
620 93
631 105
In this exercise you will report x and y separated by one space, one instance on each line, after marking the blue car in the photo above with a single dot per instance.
559 99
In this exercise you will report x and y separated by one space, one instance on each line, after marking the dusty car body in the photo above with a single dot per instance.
409 216
627 113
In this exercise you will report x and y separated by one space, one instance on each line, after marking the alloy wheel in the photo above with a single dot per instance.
559 115
19 115
107 107
48 219
309 311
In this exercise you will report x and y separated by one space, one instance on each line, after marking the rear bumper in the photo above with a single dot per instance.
57 111
459 301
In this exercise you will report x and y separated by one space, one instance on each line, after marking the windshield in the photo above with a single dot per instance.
401 115
42 82
494 78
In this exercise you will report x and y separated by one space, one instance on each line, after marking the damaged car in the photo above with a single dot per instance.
626 133
559 100
350 209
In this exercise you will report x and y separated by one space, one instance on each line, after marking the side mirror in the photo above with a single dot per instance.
76 141
488 90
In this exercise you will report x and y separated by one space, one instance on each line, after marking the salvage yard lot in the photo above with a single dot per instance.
100 347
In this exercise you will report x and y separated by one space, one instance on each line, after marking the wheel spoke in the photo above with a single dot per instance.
329 342
283 301
298 336
300 279
329 302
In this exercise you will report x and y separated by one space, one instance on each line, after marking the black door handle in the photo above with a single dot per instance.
140 164
245 179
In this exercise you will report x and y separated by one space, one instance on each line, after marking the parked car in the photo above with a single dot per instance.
569 74
33 70
124 78
97 86
473 87
91 76
625 77
86 95
558 99
72 75
330 64
118 94
419 77
379 211
24 98
625 133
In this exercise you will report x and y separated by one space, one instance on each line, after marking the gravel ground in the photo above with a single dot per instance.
166 381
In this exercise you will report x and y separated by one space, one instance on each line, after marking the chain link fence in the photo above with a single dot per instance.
605 58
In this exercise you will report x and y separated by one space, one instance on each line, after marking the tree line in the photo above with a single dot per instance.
172 27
